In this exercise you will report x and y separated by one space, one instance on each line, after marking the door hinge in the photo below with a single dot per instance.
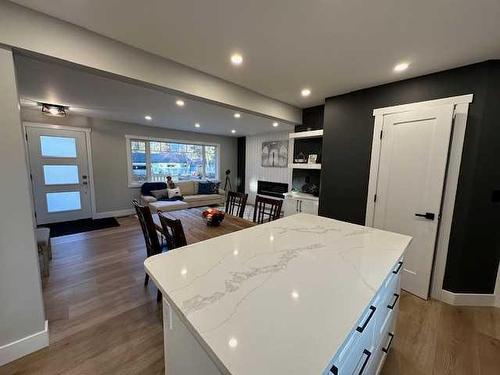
35 214
381 132
31 177
375 198
26 136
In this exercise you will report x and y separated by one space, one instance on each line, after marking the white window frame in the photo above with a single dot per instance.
129 138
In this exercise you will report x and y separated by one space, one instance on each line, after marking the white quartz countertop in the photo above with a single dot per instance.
278 298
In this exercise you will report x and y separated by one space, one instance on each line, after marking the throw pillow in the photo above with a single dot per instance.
158 194
174 193
205 187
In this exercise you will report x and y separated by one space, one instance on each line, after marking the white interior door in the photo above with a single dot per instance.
59 174
412 168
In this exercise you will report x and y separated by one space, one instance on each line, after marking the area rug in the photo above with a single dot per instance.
80 226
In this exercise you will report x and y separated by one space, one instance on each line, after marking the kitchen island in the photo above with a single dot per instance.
300 295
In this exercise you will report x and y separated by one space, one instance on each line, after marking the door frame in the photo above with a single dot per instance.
461 108
88 142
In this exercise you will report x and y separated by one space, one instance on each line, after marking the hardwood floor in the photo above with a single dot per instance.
435 338
103 321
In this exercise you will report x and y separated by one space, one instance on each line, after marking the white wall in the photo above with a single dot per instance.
253 166
33 31
21 305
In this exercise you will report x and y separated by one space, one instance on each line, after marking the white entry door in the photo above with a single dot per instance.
59 174
411 174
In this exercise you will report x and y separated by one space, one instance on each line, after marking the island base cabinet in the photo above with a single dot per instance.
183 353
366 348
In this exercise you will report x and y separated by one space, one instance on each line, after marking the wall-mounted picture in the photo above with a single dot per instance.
313 158
275 154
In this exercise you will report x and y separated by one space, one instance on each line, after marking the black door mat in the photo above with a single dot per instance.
80 226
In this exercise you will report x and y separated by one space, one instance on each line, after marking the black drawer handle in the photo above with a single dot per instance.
386 350
363 326
400 264
395 301
368 354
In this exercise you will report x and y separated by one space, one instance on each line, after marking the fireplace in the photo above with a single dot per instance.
272 189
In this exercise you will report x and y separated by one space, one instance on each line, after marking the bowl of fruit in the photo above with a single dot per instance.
213 216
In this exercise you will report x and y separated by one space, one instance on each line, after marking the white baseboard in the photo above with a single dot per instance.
467 299
29 344
117 213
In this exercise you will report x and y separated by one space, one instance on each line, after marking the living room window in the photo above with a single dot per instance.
152 160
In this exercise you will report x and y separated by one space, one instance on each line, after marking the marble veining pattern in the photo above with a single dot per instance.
278 298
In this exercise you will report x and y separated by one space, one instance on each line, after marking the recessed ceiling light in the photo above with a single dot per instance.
180 103
233 131
401 67
275 124
197 125
236 59
237 115
148 117
305 92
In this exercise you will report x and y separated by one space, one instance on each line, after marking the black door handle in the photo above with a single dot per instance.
427 215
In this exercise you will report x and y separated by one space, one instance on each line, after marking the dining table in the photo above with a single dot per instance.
196 228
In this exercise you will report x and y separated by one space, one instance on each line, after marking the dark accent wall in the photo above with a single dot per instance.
474 249
240 173
312 118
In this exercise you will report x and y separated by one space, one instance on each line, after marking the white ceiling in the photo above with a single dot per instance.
331 46
93 95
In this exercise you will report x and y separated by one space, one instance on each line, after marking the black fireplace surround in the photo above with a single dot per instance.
272 189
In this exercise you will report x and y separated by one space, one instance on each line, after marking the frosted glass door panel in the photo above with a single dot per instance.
58 147
64 201
61 174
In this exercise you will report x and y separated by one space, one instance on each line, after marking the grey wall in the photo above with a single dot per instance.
109 154
21 305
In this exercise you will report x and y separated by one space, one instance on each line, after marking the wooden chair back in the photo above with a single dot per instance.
148 229
173 232
236 203
266 209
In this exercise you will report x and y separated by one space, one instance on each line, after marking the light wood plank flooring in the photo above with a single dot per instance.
103 321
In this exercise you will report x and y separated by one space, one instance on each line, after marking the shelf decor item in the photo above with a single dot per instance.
213 216
312 159
301 158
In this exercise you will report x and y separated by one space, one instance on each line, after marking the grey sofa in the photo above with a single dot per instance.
189 190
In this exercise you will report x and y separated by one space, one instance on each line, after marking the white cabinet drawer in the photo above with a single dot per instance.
357 351
363 351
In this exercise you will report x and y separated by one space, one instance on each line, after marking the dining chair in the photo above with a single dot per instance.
173 232
148 227
266 209
236 203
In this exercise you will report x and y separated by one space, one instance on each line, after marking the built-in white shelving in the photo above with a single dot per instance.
303 135
307 134
304 166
